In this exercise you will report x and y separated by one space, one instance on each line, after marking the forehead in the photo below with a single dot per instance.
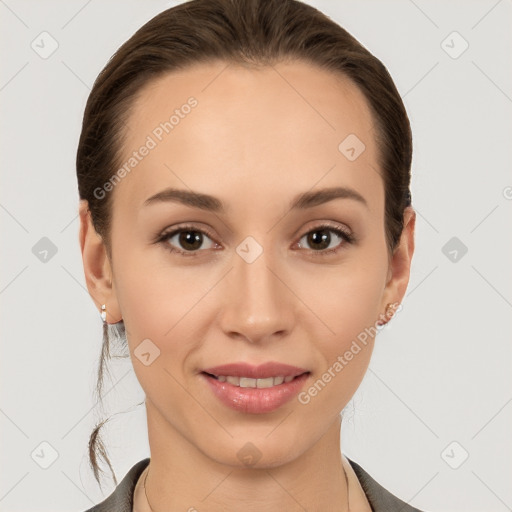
281 127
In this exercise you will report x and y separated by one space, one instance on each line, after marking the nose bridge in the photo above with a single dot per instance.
259 304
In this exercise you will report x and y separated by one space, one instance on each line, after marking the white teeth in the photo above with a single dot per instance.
248 382
265 383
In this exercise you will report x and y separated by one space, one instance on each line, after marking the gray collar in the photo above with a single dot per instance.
380 499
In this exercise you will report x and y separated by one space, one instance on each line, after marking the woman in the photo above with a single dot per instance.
246 221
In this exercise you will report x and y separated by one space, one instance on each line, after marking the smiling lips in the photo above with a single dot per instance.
255 389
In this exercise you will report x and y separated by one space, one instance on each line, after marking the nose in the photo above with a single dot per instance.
258 306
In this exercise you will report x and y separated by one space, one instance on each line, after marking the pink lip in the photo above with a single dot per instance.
255 400
270 369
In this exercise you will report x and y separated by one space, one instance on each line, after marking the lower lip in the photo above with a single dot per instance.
255 400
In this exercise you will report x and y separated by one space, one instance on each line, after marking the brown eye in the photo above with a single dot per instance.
319 239
187 240
190 240
325 239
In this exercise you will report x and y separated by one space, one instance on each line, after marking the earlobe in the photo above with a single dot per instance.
97 266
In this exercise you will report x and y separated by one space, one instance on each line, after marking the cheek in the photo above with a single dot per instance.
151 308
344 342
154 295
345 300
167 312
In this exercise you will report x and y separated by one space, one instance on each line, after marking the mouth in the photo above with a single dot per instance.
255 389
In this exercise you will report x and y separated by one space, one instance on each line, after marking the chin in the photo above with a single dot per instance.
257 452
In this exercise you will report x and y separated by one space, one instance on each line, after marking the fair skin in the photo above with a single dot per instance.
255 143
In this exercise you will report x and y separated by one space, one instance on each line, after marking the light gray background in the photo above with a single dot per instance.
441 371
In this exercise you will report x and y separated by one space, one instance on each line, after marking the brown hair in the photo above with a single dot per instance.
251 33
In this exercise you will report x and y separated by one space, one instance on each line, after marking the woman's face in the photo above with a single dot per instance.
256 275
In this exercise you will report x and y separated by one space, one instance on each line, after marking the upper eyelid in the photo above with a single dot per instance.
174 231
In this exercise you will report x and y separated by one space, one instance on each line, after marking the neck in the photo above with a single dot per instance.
180 477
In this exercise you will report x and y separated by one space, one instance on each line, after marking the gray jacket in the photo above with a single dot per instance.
381 500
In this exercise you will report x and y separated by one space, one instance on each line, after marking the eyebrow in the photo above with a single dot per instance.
206 202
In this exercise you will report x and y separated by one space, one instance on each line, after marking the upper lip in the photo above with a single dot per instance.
262 371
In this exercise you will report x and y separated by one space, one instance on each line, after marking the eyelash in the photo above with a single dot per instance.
348 238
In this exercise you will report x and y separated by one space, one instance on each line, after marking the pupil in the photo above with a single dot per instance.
187 239
324 238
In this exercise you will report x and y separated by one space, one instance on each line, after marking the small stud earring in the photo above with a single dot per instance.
103 312
388 314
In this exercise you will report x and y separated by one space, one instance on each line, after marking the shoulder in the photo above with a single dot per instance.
380 499
121 499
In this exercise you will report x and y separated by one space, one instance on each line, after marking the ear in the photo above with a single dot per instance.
97 266
400 263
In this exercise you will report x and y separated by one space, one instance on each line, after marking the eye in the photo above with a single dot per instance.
321 240
189 238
